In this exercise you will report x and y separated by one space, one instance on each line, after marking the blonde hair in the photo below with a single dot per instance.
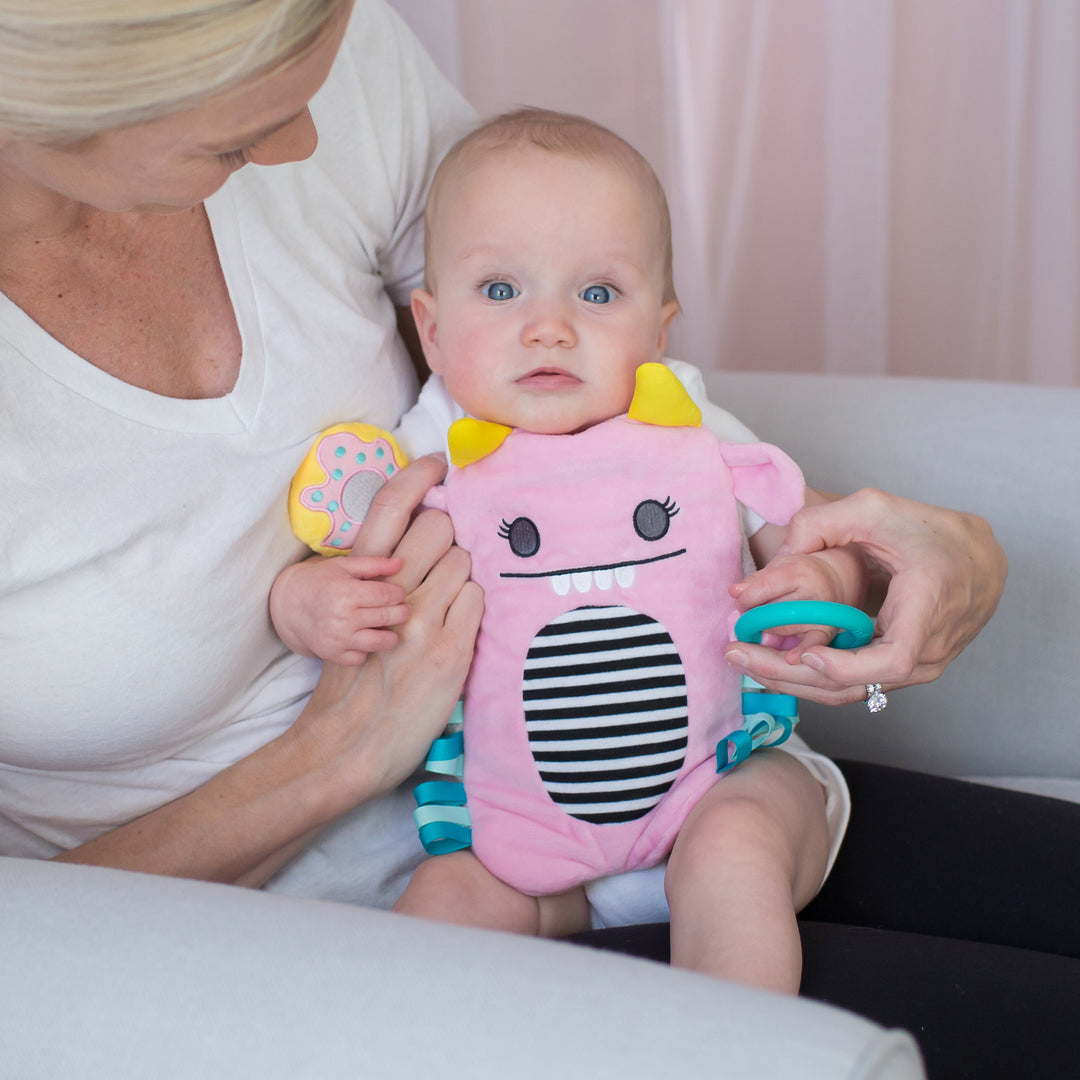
557 133
70 69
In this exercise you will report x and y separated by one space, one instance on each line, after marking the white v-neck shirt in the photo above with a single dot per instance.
140 534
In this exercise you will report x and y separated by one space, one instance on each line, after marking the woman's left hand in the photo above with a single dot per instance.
946 574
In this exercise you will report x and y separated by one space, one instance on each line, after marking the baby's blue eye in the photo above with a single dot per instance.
597 294
500 290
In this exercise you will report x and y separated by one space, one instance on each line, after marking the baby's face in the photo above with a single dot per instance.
548 277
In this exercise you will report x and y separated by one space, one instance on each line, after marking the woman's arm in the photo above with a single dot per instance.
362 732
945 572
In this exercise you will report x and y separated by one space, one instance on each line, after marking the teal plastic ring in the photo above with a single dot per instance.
856 627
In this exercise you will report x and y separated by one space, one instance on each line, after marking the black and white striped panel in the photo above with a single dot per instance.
605 710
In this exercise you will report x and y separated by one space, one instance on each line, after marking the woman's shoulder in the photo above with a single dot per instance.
383 65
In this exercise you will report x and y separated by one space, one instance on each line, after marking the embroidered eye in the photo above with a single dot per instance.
522 535
652 518
597 294
500 290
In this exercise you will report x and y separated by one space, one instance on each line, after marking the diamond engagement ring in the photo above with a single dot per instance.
876 701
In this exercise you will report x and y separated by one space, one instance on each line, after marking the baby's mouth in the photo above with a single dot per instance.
548 378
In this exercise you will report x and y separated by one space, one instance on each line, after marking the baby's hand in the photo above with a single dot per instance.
337 608
838 575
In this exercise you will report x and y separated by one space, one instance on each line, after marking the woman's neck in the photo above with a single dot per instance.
31 212
140 296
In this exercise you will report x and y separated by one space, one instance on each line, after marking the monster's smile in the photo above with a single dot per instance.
583 578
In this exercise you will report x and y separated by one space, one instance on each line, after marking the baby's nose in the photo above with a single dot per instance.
550 326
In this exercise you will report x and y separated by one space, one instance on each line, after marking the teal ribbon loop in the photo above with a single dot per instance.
768 720
441 816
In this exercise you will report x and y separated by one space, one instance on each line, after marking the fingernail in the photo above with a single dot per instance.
813 661
736 658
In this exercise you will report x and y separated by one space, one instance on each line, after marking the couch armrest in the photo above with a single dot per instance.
114 975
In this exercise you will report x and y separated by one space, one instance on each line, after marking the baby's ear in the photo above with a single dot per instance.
424 315
667 313
765 479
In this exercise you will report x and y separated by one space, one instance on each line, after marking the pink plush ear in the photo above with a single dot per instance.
765 479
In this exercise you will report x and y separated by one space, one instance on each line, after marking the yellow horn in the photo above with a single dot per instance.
659 398
470 440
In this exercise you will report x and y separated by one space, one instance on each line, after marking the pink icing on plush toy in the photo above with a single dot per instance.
598 690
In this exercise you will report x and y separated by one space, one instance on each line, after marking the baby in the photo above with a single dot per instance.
549 296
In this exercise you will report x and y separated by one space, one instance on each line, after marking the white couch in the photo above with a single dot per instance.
107 974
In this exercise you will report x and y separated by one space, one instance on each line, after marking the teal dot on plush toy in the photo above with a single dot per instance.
389 470
346 526
332 507
380 452
337 474
339 451
361 458
316 496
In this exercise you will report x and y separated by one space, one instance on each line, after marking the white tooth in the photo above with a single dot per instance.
583 581
624 575
561 584
604 579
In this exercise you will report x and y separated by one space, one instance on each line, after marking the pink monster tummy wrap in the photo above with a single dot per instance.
598 689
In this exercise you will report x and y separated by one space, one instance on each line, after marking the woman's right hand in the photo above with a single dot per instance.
375 723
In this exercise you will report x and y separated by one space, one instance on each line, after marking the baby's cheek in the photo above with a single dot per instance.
622 391
470 373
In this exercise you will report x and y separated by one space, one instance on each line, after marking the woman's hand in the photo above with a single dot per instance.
946 573
383 716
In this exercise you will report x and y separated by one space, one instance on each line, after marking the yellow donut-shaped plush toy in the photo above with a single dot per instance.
332 490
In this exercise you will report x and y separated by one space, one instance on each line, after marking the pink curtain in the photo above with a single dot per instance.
857 185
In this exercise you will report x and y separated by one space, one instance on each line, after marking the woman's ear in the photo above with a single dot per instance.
423 309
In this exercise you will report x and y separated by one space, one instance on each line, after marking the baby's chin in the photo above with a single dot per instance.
558 421
541 426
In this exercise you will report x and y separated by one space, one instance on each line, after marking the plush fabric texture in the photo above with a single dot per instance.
598 693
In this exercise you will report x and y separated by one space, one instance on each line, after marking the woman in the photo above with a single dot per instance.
174 330
183 348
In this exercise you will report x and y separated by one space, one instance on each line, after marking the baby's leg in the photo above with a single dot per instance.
457 888
749 856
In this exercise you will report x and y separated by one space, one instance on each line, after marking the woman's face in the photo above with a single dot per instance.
176 161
